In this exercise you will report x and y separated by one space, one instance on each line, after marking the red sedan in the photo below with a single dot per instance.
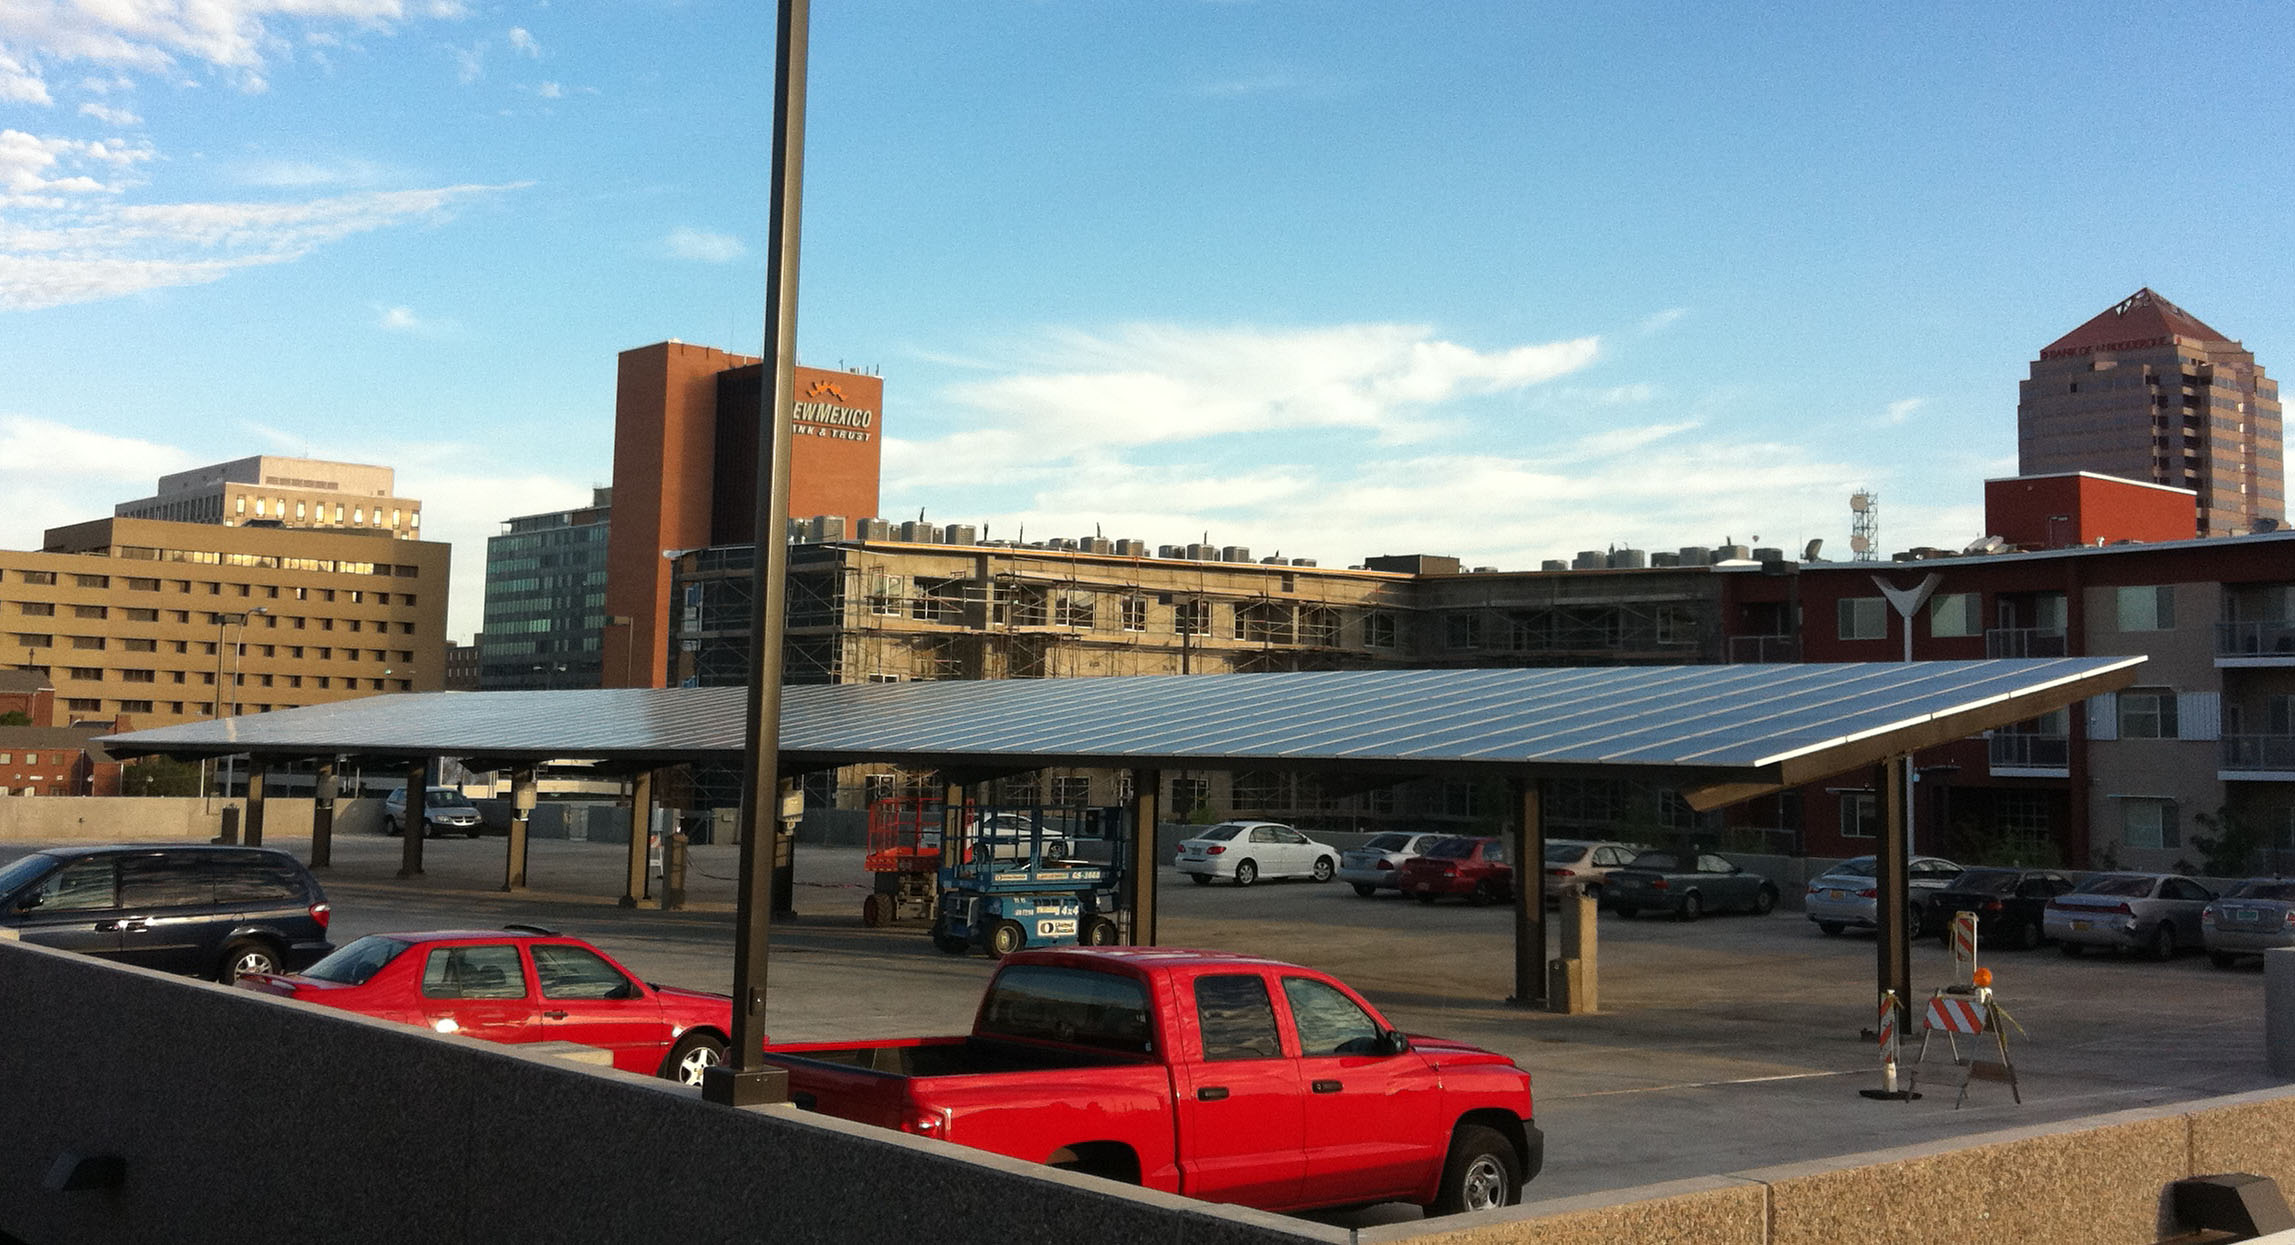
518 986
1472 868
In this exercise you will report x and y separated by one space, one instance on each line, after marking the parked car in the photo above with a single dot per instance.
2157 912
1847 896
1208 1074
1688 887
1245 851
444 810
205 910
2008 904
518 986
1377 864
1585 863
2257 915
1473 868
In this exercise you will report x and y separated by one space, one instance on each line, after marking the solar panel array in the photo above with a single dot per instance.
1704 718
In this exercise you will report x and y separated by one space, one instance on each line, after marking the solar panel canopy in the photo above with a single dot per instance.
1729 729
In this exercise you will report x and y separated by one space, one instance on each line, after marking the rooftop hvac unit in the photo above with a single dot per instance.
1628 559
798 531
1695 555
1484 570
1235 553
1664 560
961 534
1131 548
1094 544
1302 561
1170 551
828 528
1731 553
917 533
1202 553
875 529
1553 564
1590 560
1768 555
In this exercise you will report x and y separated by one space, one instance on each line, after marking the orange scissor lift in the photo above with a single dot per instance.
904 859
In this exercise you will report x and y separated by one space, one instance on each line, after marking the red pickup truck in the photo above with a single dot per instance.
1219 1076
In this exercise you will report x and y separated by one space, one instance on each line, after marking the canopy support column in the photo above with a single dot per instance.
1892 779
256 769
417 816
1529 856
641 830
1147 784
522 785
323 815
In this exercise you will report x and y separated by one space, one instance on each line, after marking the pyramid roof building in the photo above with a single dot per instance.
2142 319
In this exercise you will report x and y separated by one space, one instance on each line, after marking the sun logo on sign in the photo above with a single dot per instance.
827 389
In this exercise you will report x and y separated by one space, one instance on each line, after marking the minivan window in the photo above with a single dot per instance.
88 885
164 880
257 881
17 873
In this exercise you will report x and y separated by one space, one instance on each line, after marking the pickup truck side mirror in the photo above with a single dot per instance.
1392 1042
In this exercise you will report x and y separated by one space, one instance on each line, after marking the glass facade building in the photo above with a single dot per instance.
546 600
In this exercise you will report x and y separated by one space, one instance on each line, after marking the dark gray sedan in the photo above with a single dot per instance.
1688 888
2256 916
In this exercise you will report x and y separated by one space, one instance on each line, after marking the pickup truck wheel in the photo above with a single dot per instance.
1004 938
693 1053
1246 873
1481 1173
1325 869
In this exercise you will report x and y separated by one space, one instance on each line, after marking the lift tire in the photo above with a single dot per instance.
876 910
1004 938
1099 932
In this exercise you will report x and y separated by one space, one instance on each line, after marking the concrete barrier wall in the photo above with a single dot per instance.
244 1118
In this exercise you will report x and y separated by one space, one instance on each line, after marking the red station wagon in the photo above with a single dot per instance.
518 986
1474 869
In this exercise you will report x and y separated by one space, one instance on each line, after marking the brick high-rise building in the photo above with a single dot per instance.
2145 391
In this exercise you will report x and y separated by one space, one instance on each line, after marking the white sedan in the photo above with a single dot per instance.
1245 851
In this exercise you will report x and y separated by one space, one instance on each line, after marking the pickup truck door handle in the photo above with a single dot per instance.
553 1015
1211 1093
1327 1087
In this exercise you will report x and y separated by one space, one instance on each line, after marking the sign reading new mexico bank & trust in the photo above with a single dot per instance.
821 410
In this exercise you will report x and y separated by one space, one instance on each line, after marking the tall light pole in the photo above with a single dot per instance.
215 706
744 1080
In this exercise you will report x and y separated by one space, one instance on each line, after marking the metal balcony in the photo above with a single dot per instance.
2024 642
2268 642
1763 649
2259 753
2016 750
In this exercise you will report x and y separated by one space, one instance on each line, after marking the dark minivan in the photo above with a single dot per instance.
181 908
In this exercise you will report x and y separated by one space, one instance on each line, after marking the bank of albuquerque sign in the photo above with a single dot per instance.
820 411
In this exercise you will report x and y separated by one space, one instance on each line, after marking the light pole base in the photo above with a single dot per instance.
753 1087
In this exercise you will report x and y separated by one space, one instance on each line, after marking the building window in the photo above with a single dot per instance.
1864 618
1191 618
1135 613
1956 615
1188 795
2148 608
1074 791
1462 630
885 595
2147 713
1074 609
1378 629
1860 815
2149 823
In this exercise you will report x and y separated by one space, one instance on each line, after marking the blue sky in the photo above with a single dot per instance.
1499 280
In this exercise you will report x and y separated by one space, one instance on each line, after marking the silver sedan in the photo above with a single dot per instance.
2258 915
2156 912
1377 864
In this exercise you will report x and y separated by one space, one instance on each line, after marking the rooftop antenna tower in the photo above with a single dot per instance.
1864 525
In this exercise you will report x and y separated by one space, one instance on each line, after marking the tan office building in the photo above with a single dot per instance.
168 622
269 491
2145 391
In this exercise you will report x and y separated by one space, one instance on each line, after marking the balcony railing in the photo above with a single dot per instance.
1762 649
2269 638
2259 752
2024 642
2011 750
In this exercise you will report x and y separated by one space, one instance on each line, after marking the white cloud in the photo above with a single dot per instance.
1902 409
84 254
1659 322
119 117
1162 383
469 63
54 474
156 37
404 320
550 90
524 43
29 165
703 246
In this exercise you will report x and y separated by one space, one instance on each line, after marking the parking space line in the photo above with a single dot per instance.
1747 1080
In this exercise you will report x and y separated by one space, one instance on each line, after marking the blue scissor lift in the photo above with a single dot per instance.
1030 877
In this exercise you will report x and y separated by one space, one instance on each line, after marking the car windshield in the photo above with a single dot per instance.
1387 843
1986 881
352 965
1563 853
1220 834
2125 885
1661 861
446 797
2257 889
1452 849
1861 867
20 872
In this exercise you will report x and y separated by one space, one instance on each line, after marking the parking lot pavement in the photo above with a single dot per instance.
1726 1044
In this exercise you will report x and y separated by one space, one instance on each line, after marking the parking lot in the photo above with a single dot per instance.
1725 1044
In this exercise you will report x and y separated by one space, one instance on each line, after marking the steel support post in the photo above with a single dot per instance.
1529 851
254 827
323 815
1147 784
522 785
417 813
745 1080
641 829
1894 943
